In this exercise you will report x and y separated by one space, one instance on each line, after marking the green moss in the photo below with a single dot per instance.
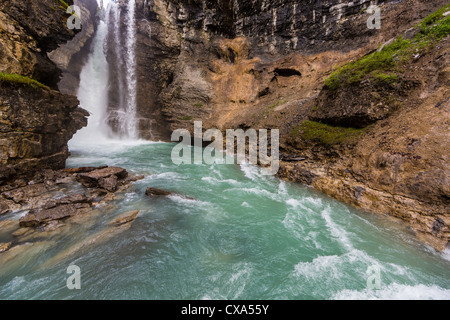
382 65
326 135
433 18
385 78
278 103
186 118
18 80
371 65
64 4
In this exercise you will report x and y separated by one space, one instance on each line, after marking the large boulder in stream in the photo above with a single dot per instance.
155 192
106 178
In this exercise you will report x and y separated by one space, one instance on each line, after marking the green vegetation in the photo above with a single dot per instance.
385 78
186 118
382 65
278 103
64 4
326 135
18 80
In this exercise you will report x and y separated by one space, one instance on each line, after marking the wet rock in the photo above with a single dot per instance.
70 199
126 217
4 206
97 195
83 169
56 209
118 225
22 232
5 246
94 178
9 226
34 219
52 226
109 183
154 192
133 178
21 195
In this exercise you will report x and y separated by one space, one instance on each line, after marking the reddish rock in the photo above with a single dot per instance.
94 178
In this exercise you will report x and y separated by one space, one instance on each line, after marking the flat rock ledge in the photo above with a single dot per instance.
90 186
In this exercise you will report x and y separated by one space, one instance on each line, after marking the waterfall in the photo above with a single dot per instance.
124 63
94 85
129 125
115 36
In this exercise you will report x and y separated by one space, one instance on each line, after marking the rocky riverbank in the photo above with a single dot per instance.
54 201
379 143
36 120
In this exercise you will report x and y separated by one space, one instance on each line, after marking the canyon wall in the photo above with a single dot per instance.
37 120
263 64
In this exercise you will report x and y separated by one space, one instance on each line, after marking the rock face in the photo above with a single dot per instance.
36 126
30 29
36 122
399 165
262 64
70 56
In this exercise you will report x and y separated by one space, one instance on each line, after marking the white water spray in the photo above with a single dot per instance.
95 83
93 89
129 123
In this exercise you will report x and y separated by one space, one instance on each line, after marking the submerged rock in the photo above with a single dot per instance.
126 217
154 192
5 247
118 225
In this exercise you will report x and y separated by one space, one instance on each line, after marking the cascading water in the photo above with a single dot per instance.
95 78
130 118
94 86
125 64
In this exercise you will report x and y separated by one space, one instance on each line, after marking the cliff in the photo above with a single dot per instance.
381 146
374 138
37 120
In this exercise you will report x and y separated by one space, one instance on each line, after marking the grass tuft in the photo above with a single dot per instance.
18 80
326 135
382 65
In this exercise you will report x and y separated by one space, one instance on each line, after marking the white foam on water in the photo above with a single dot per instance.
315 202
250 171
336 231
446 254
187 202
239 279
396 291
255 191
163 176
295 203
323 266
291 223
282 189
215 181
246 205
